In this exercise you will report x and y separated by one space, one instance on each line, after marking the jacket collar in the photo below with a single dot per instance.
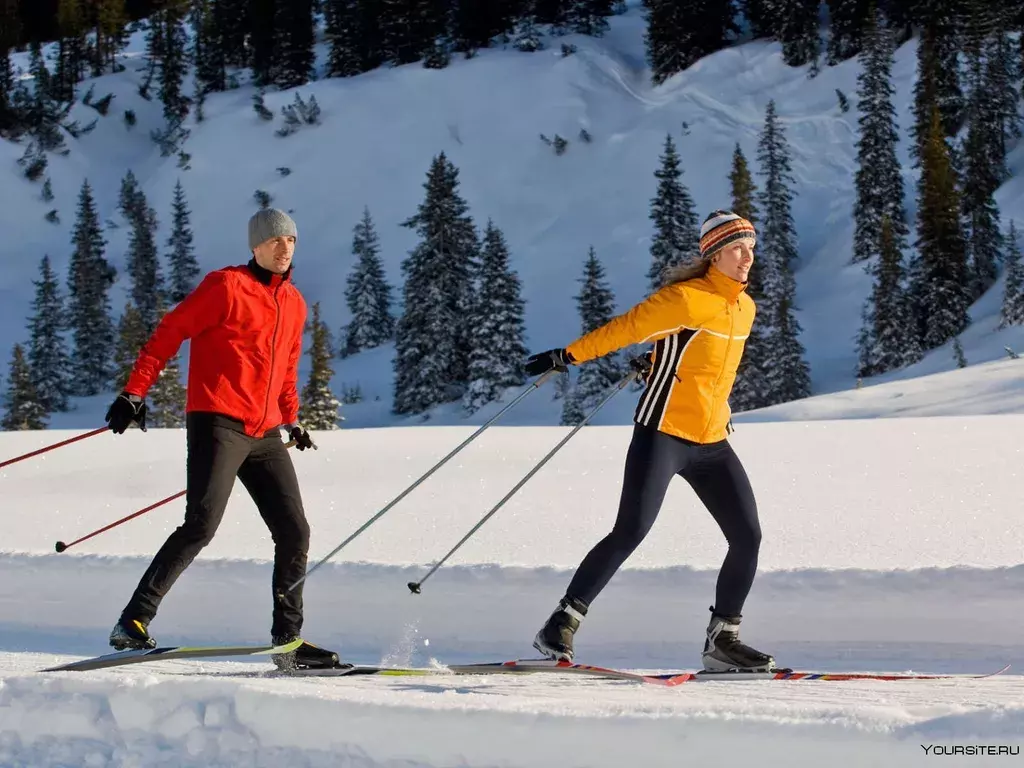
725 285
267 277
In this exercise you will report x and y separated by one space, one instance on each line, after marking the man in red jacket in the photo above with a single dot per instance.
246 326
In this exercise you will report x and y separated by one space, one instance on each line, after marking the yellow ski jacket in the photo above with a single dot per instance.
699 328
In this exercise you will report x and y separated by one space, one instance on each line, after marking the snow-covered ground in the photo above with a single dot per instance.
889 544
380 131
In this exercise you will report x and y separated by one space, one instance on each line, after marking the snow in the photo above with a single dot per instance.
889 545
380 131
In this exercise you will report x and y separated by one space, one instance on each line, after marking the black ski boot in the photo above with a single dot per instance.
555 638
131 635
723 651
306 656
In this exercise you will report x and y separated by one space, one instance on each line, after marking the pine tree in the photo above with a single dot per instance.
786 375
71 50
497 329
319 409
294 45
848 20
342 22
142 258
680 34
10 32
167 46
762 17
797 30
131 335
744 193
232 19
676 231
942 275
22 408
263 41
589 17
109 19
208 52
596 304
888 340
938 74
368 294
431 344
182 258
879 182
89 279
1012 310
47 352
168 396
411 29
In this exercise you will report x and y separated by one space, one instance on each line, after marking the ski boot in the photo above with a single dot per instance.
131 634
555 638
306 656
723 651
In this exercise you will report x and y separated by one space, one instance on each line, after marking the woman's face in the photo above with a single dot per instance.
735 259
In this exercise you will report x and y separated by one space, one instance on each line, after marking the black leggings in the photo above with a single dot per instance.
716 475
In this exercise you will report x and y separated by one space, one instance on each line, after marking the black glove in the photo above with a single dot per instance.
642 363
554 359
124 410
301 437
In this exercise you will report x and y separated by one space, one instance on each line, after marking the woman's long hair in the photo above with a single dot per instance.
688 270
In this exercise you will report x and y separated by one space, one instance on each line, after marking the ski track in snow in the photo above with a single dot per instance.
904 558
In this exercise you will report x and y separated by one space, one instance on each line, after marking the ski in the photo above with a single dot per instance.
122 658
669 679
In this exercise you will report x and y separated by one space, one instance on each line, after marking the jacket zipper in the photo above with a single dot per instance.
714 389
273 350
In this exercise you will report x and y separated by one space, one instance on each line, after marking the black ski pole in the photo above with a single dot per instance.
536 384
414 586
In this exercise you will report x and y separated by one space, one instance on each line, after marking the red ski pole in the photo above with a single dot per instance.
55 445
60 546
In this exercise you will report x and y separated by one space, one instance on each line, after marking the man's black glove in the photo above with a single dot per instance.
124 410
301 437
554 359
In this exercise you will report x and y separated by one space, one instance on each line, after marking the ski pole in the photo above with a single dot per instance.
55 445
60 546
407 491
414 586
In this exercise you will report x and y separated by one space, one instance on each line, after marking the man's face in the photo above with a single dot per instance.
275 254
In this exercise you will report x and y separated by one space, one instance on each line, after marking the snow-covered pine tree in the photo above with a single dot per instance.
294 26
131 335
262 38
798 31
938 73
942 273
526 36
744 194
371 37
22 408
676 229
208 54
168 396
233 20
367 293
10 31
554 13
168 45
787 376
319 406
497 330
142 258
762 17
90 276
847 22
110 20
410 29
47 352
182 257
878 180
341 19
589 17
596 303
888 340
680 34
432 335
1012 310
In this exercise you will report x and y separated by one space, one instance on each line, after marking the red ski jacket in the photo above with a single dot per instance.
245 324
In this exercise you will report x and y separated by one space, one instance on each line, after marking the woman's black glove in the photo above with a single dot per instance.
124 410
554 359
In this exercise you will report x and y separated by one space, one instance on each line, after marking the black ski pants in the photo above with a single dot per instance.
218 452
715 473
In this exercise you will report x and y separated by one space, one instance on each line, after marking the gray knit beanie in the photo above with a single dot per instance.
270 222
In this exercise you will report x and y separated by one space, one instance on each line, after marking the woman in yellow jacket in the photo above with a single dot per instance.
698 322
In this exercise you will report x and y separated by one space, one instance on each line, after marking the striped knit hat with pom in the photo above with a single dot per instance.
721 228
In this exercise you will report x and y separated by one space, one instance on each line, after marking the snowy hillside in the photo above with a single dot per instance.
380 131
889 545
